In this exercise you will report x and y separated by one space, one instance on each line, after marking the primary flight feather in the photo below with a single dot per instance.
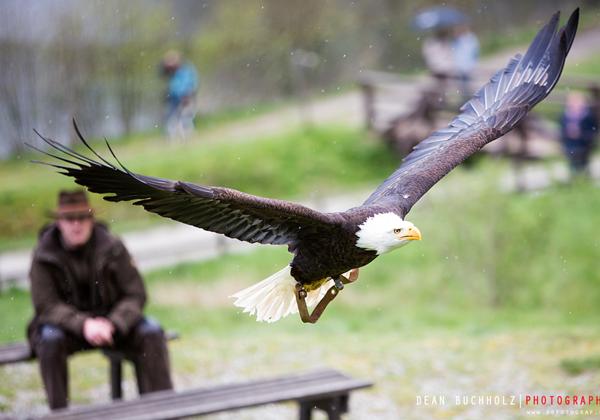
327 246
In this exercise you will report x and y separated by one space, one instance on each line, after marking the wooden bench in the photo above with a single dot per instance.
20 352
327 390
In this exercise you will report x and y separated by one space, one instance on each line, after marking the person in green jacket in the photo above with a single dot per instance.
87 293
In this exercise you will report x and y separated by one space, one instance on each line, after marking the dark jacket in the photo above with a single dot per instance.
588 127
117 287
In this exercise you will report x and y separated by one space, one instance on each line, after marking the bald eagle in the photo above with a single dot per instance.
328 248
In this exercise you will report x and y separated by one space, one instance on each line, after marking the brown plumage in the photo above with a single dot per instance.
327 245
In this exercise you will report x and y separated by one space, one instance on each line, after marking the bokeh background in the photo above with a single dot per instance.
500 298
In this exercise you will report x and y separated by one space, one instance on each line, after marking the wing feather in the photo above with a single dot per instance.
494 110
222 210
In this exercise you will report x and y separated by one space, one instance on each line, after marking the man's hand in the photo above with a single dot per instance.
98 331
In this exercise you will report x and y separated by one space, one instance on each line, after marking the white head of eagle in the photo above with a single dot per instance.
385 232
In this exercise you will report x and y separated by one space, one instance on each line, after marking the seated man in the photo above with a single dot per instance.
87 293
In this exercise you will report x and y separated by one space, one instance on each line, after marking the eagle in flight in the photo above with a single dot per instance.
328 248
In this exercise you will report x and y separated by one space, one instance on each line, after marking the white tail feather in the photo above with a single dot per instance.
274 297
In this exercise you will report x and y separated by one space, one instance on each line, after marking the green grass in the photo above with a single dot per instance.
324 159
530 254
578 366
502 291
15 305
503 259
587 67
512 279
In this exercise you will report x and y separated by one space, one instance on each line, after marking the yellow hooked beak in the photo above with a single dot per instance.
410 234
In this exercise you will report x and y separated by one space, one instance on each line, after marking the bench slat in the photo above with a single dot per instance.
174 408
15 352
168 404
158 398
323 391
226 400
220 390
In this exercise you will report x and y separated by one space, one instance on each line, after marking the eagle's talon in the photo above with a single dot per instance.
352 276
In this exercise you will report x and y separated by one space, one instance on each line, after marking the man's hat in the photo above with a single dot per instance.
72 203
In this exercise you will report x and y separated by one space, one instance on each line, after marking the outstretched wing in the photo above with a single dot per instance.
494 110
222 210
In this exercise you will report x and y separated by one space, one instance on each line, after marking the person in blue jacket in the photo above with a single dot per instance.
181 94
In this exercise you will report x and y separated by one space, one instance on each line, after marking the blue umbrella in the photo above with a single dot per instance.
438 18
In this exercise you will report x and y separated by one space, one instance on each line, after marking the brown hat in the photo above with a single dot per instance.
73 203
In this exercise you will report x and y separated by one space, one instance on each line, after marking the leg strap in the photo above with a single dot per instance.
305 315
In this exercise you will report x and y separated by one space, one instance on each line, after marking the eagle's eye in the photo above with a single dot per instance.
397 231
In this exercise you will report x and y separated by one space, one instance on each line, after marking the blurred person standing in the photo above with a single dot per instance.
466 53
180 98
438 54
578 128
87 293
